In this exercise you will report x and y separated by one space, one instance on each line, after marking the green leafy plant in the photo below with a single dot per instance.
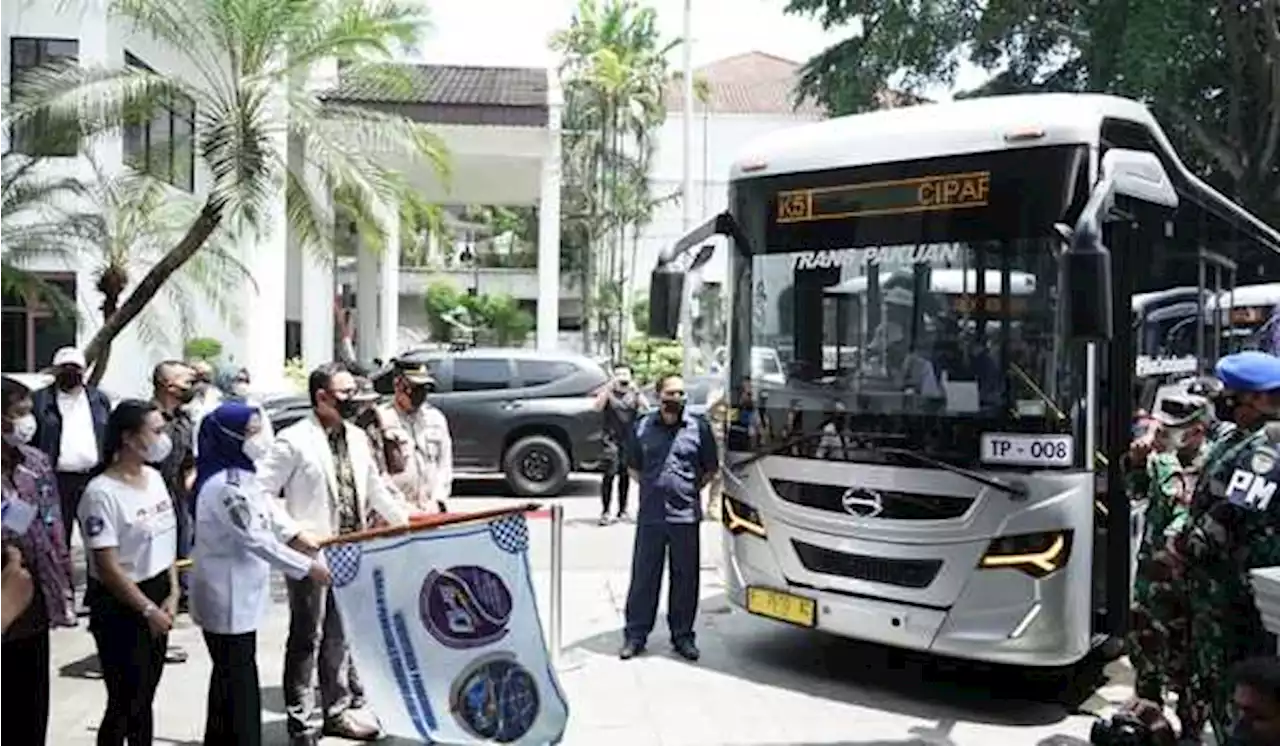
202 348
650 358
503 318
295 374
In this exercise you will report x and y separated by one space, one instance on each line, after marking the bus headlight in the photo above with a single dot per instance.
1038 555
739 517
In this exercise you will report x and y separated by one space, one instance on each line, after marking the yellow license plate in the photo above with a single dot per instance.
782 606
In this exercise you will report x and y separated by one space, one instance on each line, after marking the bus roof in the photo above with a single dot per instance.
1159 298
976 125
1266 294
952 282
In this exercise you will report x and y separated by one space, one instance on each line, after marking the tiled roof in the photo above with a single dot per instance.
453 85
751 83
760 83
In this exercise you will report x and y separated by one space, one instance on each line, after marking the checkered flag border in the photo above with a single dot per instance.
344 563
510 533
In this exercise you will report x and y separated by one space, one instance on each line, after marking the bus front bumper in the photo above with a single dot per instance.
997 618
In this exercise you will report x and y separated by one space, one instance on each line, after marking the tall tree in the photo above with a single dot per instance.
614 69
1209 69
251 61
43 220
141 219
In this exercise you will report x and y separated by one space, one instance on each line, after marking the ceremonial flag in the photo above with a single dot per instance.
444 630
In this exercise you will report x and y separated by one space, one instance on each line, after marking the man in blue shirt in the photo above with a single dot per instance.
673 459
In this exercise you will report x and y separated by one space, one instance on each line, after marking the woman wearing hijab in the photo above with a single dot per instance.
241 534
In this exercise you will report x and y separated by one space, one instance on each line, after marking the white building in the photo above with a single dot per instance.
500 125
746 96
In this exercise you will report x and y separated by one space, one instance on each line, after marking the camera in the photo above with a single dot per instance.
1123 729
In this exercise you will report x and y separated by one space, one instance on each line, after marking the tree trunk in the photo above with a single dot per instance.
110 304
203 227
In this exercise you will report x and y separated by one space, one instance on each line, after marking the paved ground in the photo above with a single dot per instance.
758 684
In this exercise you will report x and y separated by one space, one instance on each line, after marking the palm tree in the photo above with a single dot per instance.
252 60
614 67
141 219
40 221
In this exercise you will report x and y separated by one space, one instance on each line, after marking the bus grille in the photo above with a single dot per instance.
907 573
894 505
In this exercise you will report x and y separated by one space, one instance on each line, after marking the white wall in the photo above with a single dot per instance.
104 44
717 140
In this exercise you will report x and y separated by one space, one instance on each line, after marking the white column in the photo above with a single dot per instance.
318 286
389 281
549 224
266 255
366 302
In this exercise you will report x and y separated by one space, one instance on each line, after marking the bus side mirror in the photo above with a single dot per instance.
1087 287
1086 264
666 291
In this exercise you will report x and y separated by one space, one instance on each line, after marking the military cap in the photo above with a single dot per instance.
1250 371
416 373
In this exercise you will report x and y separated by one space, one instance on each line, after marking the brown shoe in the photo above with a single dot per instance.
346 726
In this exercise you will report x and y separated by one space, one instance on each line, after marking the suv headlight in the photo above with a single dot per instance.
739 517
1038 555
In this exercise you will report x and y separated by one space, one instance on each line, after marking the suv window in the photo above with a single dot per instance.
479 374
540 372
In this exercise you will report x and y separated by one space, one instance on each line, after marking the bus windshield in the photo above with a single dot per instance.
933 327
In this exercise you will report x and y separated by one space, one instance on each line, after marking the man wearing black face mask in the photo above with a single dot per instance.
674 456
172 389
426 444
71 420
325 468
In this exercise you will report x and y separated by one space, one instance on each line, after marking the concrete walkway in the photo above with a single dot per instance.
758 683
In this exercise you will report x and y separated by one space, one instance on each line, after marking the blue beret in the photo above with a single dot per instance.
1249 371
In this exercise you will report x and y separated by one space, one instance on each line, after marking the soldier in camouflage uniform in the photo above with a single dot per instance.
1233 526
1159 634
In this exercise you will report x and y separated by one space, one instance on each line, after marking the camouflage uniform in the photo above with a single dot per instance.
1229 532
1159 634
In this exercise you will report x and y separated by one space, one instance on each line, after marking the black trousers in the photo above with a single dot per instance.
234 713
25 700
132 661
70 489
655 543
615 471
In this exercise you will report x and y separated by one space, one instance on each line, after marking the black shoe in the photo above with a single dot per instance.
686 649
630 649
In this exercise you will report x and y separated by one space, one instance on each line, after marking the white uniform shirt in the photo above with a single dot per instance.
78 448
138 522
428 476
240 536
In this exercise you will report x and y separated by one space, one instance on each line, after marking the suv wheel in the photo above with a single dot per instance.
536 466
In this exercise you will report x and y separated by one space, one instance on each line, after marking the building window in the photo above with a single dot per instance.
165 146
27 53
32 331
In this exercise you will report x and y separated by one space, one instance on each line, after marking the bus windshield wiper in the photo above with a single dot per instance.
793 441
1016 490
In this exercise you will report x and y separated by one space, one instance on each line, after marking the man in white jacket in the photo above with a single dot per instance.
325 470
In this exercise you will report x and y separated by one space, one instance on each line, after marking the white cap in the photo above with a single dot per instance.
68 356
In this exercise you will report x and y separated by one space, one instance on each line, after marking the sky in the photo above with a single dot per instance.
516 32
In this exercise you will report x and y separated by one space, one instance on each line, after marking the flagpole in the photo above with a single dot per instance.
686 188
557 584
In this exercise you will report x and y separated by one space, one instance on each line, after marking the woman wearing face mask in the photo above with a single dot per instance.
33 527
241 534
129 525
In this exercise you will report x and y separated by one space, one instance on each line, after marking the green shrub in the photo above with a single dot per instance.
650 358
202 348
295 374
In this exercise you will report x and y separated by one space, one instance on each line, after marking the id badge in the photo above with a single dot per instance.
18 515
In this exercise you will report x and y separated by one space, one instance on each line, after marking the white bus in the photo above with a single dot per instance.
998 531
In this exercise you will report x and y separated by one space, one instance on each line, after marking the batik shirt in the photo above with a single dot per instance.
43 550
346 503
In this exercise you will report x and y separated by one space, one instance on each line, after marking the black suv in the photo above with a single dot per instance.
527 415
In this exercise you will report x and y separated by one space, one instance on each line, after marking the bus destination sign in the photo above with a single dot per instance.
899 197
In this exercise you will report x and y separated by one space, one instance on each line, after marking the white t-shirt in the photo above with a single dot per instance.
138 523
